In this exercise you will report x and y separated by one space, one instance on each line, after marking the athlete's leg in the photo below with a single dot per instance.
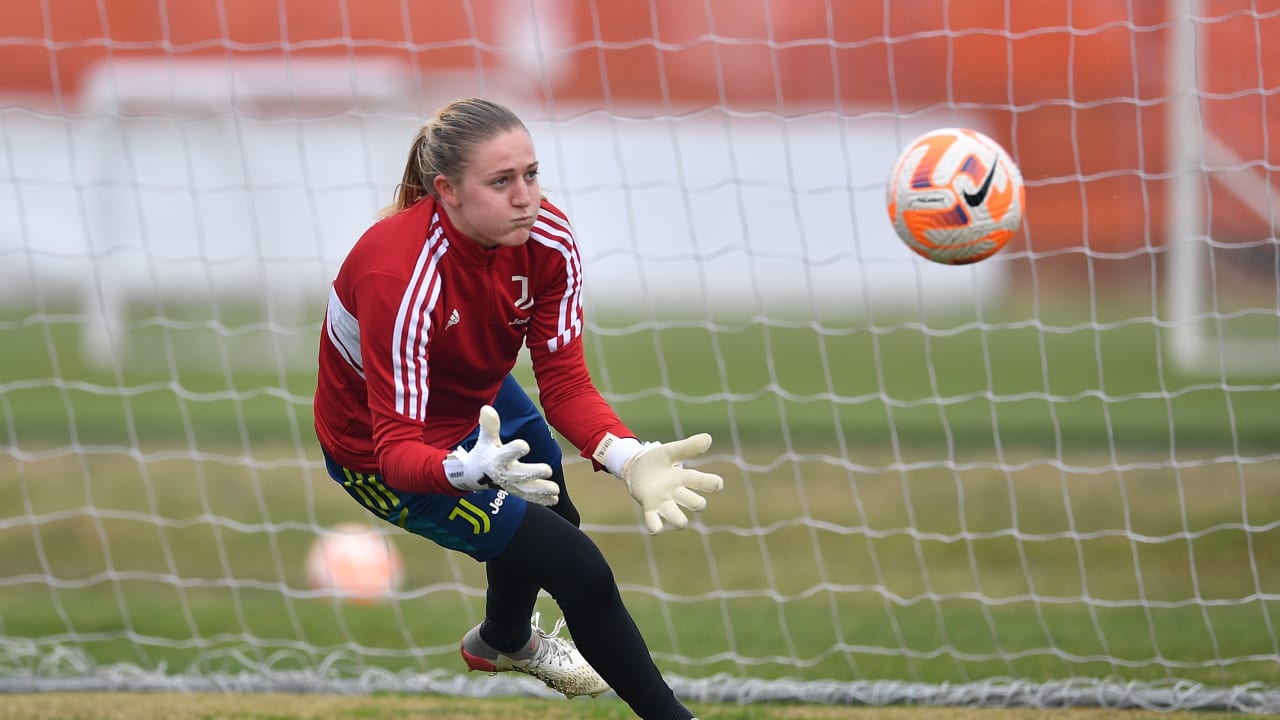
510 598
548 552
527 547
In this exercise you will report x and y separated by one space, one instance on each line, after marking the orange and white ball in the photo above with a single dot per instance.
355 563
955 196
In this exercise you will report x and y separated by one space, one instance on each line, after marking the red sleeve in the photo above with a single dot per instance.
573 405
395 350
569 398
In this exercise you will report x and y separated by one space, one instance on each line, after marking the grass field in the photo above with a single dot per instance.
1040 501
147 706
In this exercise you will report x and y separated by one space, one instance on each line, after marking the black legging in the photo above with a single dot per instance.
548 551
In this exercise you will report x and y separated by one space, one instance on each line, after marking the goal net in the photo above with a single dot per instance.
1051 478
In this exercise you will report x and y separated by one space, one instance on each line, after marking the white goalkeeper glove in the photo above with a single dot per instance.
492 462
656 478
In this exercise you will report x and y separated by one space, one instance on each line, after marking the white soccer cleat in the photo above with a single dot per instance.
553 660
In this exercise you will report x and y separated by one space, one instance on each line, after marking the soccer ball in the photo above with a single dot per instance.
955 196
355 563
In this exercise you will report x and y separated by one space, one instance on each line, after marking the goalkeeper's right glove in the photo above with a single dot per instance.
492 462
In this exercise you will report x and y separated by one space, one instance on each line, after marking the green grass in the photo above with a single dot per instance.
173 706
998 499
1056 382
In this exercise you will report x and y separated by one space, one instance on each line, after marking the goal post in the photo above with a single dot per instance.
1185 289
1199 339
1050 479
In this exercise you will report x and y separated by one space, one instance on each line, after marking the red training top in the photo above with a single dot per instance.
422 327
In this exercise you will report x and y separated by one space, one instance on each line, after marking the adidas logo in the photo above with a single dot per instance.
453 319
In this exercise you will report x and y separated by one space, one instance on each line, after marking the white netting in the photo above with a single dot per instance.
1048 479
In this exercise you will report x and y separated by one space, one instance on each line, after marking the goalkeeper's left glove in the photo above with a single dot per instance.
493 462
657 479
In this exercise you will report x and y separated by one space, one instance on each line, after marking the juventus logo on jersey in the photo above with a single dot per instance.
524 302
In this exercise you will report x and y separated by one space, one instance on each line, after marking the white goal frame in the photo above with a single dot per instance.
1192 343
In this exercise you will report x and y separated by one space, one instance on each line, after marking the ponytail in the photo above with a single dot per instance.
411 187
444 144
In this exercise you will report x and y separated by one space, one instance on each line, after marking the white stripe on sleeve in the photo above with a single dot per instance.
344 331
412 330
569 322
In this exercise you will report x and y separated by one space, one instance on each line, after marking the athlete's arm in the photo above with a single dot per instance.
569 398
653 472
394 345
573 405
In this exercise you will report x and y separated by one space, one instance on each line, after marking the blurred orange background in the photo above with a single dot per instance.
1077 90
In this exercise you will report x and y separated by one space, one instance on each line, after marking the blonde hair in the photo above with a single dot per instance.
443 147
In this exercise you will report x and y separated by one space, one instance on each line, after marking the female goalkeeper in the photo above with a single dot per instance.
422 423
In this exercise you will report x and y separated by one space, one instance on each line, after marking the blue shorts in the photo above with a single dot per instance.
479 524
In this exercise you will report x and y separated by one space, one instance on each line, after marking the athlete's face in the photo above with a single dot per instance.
495 202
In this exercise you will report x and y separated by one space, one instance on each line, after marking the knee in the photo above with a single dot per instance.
588 578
